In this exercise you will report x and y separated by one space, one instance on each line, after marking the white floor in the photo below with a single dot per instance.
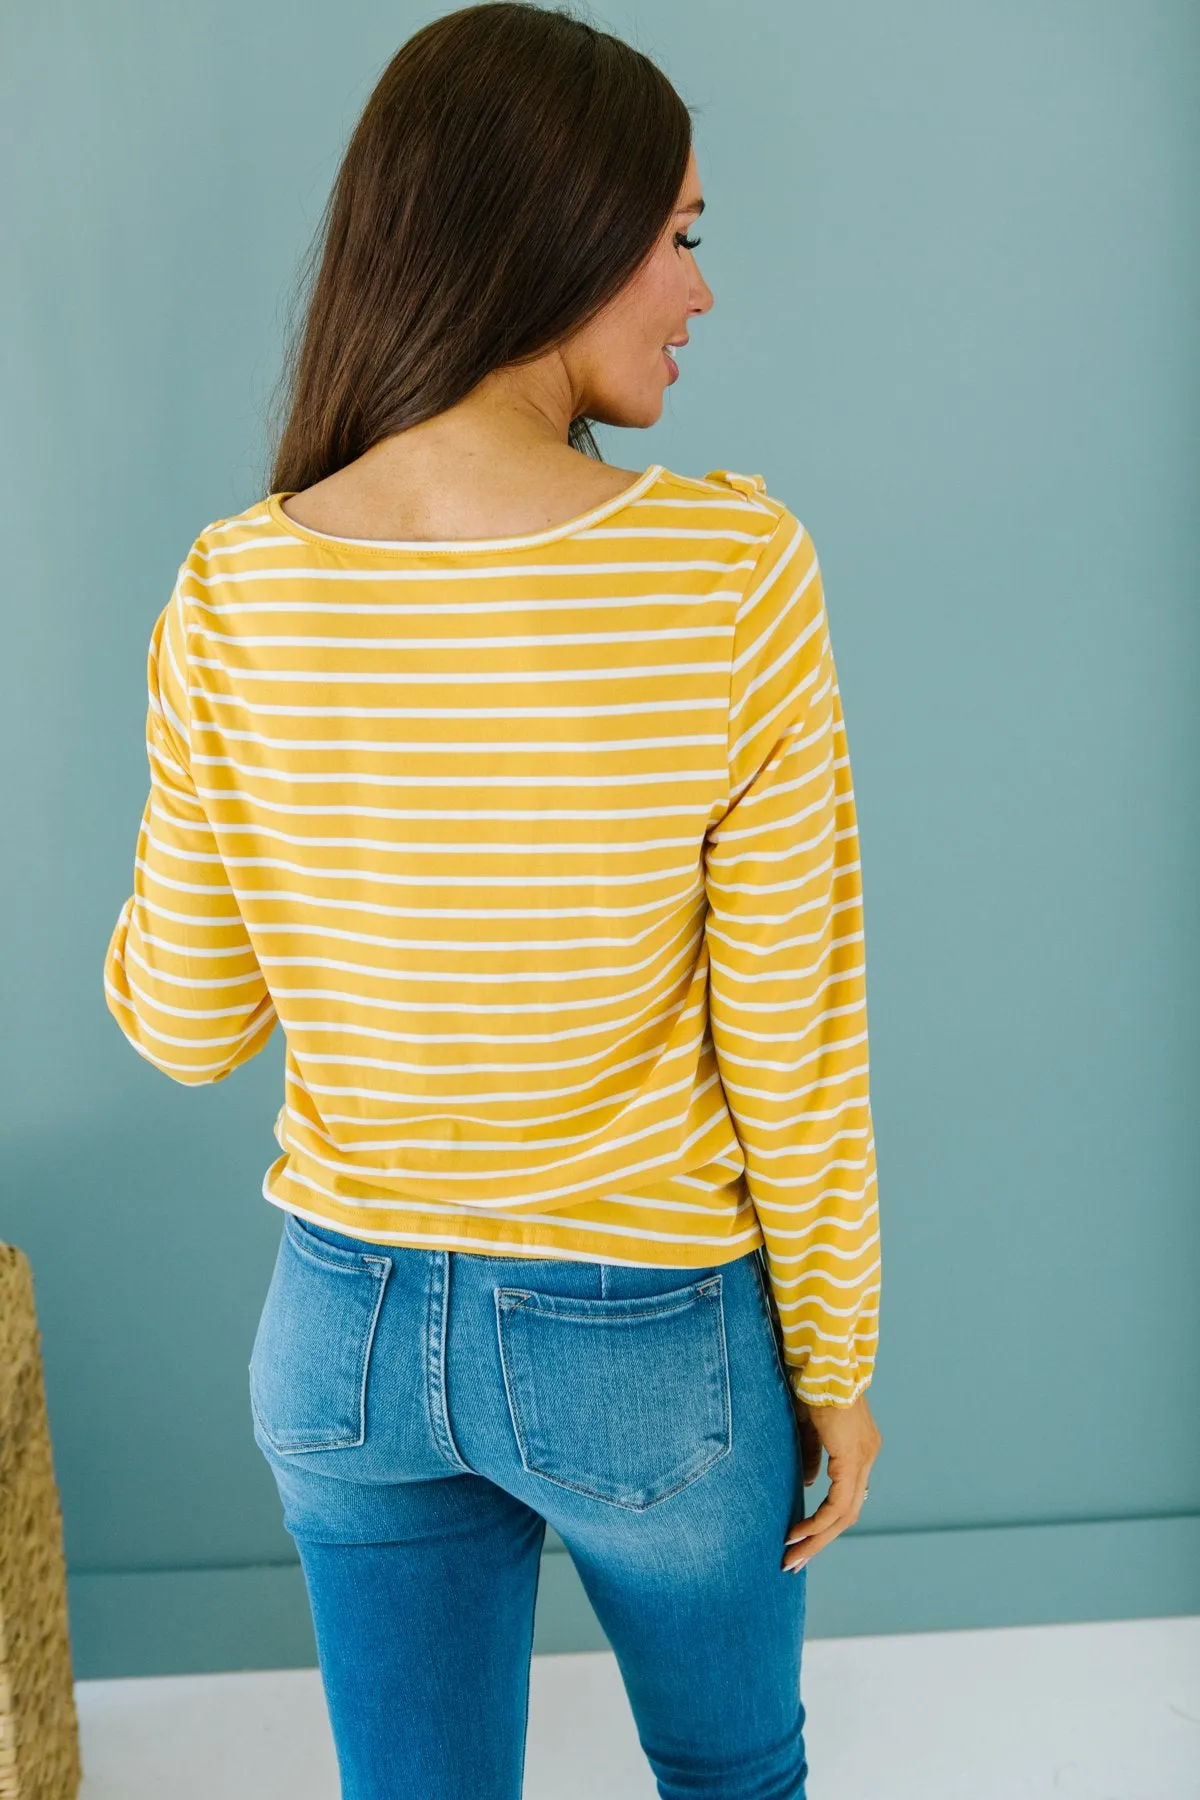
1068 1712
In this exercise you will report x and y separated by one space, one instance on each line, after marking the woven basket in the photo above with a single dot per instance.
39 1731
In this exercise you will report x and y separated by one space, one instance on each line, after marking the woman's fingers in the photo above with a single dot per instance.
851 1440
840 1508
800 1558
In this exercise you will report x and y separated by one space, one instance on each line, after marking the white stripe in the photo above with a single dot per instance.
724 533
438 911
818 1147
605 847
797 593
802 1003
410 779
418 645
460 677
218 528
614 1030
670 599
745 801
189 1012
522 1066
617 709
431 746
839 1282
857 1311
320 872
621 971
817 1115
797 1032
181 887
518 573
833 1250
681 1053
754 594
192 981
504 1097
537 1194
820 1054
438 813
489 1146
200 1043
200 920
268 928
785 1096
421 1107
769 1210
778 887
768 719
475 1008
751 949
192 951
738 979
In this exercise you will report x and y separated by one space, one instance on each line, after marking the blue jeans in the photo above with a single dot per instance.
425 1412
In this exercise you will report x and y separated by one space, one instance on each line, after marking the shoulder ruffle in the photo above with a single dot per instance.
746 484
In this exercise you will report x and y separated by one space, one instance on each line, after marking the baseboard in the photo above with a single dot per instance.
188 1621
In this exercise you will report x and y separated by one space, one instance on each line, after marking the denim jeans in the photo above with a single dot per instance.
426 1412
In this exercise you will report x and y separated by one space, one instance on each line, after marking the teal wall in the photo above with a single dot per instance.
955 330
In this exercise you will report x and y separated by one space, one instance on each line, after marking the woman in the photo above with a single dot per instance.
515 787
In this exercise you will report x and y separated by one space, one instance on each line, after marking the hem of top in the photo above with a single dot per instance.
461 546
693 1256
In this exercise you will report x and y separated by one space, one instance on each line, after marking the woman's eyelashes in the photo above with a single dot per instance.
686 243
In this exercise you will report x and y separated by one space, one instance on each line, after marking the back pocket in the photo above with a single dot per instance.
623 1400
312 1350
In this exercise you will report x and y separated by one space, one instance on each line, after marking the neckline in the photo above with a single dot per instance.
462 546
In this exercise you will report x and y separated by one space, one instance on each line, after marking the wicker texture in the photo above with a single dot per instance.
39 1732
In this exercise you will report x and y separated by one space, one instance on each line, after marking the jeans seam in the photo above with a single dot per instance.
724 1366
435 1342
764 1301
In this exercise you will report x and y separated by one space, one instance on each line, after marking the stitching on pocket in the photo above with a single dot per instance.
377 1268
604 1312
332 1256
509 1301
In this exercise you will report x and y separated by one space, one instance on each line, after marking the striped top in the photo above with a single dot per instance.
543 851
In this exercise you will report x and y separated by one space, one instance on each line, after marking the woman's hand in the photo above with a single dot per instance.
850 1439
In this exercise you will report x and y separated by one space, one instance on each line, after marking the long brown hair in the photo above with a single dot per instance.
512 169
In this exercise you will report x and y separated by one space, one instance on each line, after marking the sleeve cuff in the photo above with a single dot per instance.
817 1394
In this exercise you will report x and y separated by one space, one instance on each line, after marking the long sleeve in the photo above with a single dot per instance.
180 975
787 976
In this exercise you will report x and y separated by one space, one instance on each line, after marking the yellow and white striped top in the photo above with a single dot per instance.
543 851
